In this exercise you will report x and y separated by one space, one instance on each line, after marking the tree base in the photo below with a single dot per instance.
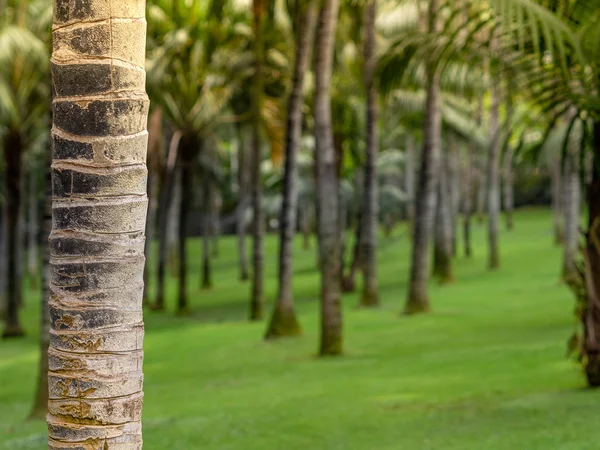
416 306
283 324
156 307
13 331
331 349
369 300
592 370
348 285
184 312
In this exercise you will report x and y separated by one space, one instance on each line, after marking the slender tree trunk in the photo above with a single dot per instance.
284 321
13 155
99 214
40 402
409 177
3 262
327 185
454 189
173 222
32 230
493 180
258 225
155 140
163 219
306 222
189 148
572 202
243 205
418 298
508 189
468 195
591 314
207 188
557 206
481 189
215 226
442 261
370 294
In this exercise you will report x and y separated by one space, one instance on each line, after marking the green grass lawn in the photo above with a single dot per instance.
486 370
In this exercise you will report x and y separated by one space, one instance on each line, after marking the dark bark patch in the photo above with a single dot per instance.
66 149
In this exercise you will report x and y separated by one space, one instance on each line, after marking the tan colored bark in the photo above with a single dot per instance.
99 211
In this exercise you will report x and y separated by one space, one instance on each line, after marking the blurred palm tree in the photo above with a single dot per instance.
24 121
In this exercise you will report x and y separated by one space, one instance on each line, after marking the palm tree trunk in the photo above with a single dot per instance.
454 189
493 180
99 214
215 226
370 294
163 219
409 177
155 140
13 155
173 225
572 202
508 196
442 261
327 185
3 262
189 148
206 282
591 314
418 298
40 402
32 230
468 180
557 206
284 321
243 205
256 296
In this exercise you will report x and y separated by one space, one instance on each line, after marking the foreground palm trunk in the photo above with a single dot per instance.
327 185
99 209
418 298
370 295
284 321
256 294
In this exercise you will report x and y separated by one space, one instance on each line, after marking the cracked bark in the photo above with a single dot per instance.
99 207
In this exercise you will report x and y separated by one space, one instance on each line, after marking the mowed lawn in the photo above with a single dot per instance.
485 370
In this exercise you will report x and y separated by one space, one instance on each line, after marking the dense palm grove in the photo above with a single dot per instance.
326 118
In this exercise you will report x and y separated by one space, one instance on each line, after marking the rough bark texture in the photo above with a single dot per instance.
283 321
242 207
572 202
442 255
591 316
493 180
557 200
258 220
168 188
327 185
370 294
13 154
418 298
99 206
40 402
